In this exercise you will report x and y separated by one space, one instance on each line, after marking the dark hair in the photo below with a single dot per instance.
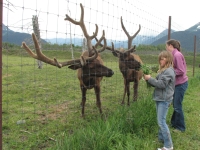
176 44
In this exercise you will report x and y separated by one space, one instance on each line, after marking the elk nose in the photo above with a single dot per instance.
110 73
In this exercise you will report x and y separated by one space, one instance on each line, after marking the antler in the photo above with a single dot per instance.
130 38
89 38
115 51
99 43
40 56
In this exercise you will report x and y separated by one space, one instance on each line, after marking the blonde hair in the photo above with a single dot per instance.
169 60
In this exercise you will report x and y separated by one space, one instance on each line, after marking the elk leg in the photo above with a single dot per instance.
135 86
124 91
83 90
128 91
98 101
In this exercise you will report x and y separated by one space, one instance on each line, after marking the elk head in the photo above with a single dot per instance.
93 69
126 56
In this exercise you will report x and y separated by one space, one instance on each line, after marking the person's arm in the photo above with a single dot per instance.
163 80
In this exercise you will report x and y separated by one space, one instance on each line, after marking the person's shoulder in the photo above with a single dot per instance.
178 54
170 70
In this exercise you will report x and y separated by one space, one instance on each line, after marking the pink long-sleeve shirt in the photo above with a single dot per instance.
179 67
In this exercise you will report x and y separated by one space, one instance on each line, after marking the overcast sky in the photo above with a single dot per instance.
152 15
183 12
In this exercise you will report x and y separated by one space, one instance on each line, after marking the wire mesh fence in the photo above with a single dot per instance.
40 104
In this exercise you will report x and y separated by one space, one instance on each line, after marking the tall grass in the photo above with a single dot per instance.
121 130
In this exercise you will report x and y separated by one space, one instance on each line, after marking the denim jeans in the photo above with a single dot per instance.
163 133
177 120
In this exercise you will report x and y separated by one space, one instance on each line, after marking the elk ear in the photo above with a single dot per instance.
133 50
74 67
115 54
127 53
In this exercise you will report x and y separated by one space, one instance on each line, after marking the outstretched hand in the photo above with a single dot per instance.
146 77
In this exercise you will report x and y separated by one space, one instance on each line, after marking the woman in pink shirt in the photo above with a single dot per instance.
181 84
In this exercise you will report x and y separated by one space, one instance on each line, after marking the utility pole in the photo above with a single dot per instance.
37 33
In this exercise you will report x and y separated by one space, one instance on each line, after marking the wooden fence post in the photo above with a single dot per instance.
37 33
169 28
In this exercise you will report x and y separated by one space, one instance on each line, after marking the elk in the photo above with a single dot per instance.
129 65
90 67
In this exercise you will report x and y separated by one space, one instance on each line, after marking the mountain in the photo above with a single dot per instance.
118 43
186 38
194 28
142 39
12 37
159 36
60 41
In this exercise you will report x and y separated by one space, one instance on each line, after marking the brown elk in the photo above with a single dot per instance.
129 65
90 68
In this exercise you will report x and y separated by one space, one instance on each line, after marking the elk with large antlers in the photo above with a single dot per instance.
90 68
129 65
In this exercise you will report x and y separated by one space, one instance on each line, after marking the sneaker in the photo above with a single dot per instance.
164 148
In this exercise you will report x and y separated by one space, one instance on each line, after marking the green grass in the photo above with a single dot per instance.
49 99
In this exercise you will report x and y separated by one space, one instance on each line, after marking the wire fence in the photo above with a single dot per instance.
40 104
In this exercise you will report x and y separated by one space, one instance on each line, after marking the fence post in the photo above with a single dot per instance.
37 33
169 28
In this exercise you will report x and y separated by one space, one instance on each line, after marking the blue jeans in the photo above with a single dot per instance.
177 120
163 133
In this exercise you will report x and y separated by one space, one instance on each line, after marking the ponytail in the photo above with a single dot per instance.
178 46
